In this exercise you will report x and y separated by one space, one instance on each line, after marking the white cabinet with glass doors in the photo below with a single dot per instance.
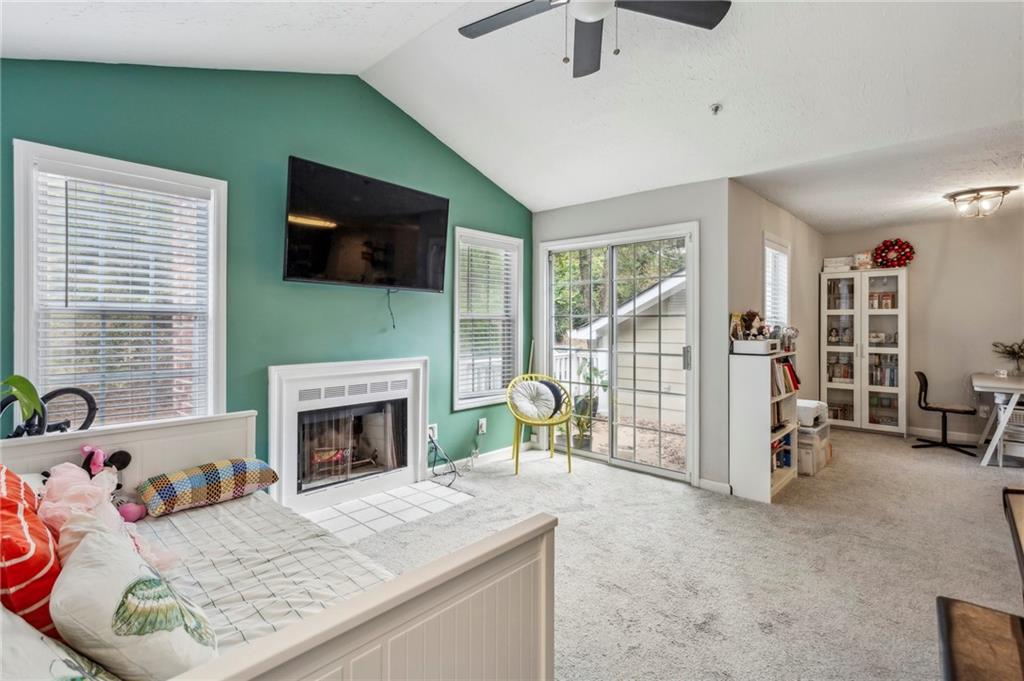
864 348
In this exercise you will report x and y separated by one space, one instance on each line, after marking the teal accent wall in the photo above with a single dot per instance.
241 126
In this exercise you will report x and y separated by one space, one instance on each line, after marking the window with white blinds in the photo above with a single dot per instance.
776 281
488 302
124 276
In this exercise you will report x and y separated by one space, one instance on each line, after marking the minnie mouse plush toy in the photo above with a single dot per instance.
95 460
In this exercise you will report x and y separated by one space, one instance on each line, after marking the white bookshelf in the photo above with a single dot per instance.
753 469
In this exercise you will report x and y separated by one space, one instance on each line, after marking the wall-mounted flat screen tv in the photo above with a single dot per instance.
345 228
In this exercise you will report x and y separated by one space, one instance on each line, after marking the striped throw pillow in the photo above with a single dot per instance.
14 488
28 564
209 483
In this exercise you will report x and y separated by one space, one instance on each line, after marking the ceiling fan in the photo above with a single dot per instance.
589 18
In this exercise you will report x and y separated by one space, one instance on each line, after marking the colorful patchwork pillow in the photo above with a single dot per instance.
209 483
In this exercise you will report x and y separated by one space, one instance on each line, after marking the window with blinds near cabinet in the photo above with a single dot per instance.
488 302
776 281
122 289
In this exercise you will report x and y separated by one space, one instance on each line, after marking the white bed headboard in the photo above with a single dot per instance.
156 446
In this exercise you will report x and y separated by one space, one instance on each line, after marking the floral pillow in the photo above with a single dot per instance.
28 654
112 606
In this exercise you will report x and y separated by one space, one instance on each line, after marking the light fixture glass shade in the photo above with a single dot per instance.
978 203
590 11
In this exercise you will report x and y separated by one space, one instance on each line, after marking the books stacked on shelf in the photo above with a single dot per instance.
884 371
840 367
782 453
784 378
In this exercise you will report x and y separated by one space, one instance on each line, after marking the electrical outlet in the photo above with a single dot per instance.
432 431
481 427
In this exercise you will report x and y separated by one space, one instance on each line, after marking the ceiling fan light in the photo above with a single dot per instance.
590 11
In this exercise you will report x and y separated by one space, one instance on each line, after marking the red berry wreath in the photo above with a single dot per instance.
893 253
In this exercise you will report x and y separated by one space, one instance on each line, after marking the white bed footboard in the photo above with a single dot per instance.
483 612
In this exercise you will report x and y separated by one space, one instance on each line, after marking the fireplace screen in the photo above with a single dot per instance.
339 444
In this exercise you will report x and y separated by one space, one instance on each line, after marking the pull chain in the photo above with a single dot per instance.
565 57
616 50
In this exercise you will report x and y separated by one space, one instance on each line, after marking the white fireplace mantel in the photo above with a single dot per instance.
300 387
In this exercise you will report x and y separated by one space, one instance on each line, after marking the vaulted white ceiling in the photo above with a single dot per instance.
799 82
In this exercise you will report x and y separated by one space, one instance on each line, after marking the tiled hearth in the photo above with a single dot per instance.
353 520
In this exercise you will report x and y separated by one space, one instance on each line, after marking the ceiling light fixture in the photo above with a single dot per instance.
980 202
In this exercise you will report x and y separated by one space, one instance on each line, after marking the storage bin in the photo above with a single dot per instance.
813 454
818 434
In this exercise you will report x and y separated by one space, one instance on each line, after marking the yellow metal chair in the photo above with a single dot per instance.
561 418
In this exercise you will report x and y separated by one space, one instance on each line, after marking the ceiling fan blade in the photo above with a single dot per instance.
700 13
586 48
508 17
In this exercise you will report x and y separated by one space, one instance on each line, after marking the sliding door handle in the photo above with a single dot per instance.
687 358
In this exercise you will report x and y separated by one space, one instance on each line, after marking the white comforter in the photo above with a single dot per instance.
255 566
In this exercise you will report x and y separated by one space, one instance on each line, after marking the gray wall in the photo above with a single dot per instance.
707 203
966 290
750 216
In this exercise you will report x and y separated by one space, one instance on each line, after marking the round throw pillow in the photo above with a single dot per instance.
533 400
557 393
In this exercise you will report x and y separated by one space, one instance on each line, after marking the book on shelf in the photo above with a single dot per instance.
784 377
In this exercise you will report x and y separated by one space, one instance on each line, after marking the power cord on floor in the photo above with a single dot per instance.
450 469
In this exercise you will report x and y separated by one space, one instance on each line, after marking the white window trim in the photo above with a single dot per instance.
779 244
28 155
475 236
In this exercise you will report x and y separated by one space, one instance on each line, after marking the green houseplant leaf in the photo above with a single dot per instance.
25 393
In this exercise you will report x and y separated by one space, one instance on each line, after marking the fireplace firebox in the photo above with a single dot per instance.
339 444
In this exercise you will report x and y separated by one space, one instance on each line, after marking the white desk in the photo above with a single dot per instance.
990 383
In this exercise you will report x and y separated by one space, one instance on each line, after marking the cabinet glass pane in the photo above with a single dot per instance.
883 369
839 294
840 404
883 331
883 408
840 329
883 292
839 367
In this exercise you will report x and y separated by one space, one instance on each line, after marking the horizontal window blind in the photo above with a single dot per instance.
776 283
487 321
122 297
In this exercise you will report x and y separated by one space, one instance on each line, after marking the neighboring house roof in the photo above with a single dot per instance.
640 302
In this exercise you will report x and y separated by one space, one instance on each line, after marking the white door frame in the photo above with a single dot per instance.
691 231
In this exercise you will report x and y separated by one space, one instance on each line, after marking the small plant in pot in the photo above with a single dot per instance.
584 407
1013 351
19 389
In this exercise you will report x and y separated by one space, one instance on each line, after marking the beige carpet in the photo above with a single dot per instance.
657 580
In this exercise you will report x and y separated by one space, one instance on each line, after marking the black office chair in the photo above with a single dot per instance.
945 409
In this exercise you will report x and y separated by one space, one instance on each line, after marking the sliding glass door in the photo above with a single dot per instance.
622 342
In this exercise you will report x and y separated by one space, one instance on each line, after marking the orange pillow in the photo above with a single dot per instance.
28 564
13 487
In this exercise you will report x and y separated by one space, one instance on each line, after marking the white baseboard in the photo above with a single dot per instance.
503 454
715 486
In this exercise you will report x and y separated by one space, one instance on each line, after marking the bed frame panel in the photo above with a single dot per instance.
485 611
156 446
